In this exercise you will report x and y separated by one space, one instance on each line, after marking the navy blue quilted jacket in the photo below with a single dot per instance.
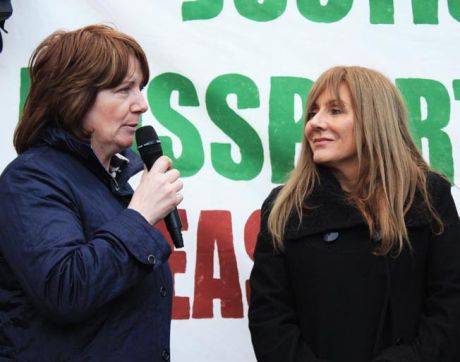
81 276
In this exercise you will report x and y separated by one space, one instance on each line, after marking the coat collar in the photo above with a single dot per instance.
64 141
328 210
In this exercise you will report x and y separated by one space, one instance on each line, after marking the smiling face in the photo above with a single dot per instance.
112 120
330 131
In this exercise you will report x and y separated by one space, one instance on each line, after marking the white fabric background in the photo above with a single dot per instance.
202 50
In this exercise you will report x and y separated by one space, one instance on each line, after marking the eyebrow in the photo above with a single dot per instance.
334 102
330 103
127 83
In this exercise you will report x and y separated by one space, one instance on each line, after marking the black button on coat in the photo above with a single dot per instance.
338 302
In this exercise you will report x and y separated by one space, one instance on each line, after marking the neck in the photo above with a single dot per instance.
347 178
103 157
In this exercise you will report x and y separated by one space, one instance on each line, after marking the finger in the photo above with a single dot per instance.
177 185
161 165
172 175
179 198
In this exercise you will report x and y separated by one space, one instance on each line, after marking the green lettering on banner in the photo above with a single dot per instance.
456 87
454 9
235 127
425 11
159 94
284 130
382 11
333 11
201 9
265 11
24 88
438 113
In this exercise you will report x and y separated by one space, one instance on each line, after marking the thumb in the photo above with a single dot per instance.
144 173
161 165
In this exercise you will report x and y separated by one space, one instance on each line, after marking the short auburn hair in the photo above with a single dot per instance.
67 70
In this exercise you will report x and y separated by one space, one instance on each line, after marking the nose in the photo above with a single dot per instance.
318 121
139 104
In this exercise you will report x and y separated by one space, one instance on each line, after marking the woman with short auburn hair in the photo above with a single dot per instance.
358 256
84 274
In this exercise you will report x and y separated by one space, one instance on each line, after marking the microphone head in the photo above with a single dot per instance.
148 145
146 136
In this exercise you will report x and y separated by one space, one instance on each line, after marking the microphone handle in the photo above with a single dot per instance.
174 226
149 155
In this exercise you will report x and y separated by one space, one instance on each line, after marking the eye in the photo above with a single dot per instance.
336 110
122 90
311 114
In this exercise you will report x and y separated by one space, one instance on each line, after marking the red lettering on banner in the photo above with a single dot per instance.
178 263
251 229
215 231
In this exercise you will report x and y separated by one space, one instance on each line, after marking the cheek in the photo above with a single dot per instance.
307 131
351 140
351 131
353 146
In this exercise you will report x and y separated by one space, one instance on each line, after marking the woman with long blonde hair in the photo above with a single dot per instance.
358 256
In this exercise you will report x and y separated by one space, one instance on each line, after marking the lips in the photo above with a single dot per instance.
321 141
129 128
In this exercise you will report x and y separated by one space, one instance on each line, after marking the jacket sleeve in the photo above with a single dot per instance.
66 274
272 317
439 327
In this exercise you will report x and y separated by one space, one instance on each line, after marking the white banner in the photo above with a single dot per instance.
229 79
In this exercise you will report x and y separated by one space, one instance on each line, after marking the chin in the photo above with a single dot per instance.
319 160
124 144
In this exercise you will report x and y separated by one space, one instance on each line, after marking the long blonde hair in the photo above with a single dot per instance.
391 169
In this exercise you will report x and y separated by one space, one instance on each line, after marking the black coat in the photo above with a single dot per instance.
328 298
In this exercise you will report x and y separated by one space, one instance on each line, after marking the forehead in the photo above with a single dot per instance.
134 69
341 94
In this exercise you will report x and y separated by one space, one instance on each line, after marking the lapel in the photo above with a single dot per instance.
64 141
328 210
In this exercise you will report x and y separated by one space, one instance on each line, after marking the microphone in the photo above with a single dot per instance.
149 147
